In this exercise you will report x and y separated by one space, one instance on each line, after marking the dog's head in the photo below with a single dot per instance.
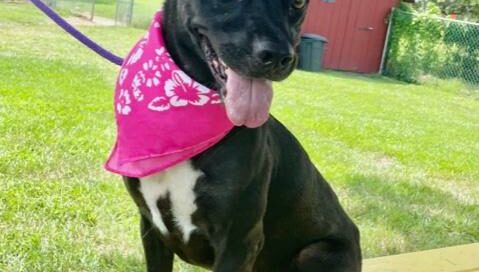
247 44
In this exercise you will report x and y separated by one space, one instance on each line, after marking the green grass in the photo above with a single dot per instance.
402 158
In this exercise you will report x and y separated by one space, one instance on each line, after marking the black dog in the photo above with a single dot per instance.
254 201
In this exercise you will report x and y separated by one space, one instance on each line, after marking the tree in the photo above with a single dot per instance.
467 8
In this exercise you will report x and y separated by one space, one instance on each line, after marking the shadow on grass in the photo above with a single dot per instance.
117 262
423 216
367 78
121 263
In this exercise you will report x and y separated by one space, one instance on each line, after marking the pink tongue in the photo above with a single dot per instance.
247 100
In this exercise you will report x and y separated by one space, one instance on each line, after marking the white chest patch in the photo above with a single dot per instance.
178 182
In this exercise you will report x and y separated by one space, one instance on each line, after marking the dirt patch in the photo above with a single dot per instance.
385 162
84 20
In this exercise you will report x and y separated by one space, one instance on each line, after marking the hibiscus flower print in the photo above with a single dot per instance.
122 76
163 58
182 90
123 105
137 82
216 99
159 103
152 75
135 56
138 53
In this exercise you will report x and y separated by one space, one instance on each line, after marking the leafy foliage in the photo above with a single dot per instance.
464 9
468 8
422 44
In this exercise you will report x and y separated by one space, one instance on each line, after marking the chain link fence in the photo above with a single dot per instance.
104 12
80 8
124 12
423 46
136 13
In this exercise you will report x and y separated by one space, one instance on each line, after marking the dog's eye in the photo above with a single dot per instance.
299 4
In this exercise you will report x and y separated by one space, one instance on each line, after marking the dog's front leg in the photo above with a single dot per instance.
239 240
158 257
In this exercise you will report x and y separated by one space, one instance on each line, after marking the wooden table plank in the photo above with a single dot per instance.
464 258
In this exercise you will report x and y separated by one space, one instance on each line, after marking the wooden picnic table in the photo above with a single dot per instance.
464 258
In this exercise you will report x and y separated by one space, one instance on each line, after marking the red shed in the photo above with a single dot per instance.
355 29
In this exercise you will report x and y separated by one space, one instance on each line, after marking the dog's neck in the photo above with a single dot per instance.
184 51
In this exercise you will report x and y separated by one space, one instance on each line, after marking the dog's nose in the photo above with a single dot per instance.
275 58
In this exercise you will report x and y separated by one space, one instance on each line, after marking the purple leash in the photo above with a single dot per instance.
77 34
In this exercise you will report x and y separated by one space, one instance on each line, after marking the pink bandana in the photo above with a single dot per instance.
163 116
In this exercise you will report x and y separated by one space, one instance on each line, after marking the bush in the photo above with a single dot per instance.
422 44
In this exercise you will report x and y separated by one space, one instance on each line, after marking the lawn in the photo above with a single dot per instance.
402 158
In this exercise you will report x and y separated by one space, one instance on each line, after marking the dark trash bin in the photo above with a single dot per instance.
311 50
